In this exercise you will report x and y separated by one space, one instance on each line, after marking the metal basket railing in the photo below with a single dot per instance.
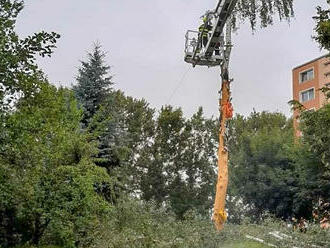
191 42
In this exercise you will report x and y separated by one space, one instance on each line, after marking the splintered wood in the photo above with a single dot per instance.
219 214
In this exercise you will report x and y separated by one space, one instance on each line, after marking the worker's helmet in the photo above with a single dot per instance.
205 19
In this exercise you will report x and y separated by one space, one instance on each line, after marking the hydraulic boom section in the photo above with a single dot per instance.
223 13
212 53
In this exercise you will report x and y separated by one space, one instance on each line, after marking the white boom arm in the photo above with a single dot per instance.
222 12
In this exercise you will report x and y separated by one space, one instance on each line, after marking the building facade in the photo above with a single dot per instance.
307 80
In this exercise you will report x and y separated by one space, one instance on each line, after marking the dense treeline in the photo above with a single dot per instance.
80 165
270 171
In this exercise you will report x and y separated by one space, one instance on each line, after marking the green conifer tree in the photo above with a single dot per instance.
94 83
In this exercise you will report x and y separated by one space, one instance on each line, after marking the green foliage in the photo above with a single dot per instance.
122 128
47 176
161 159
123 125
176 167
296 105
315 128
19 73
308 172
264 10
323 27
108 129
314 159
262 177
270 172
276 232
197 173
102 117
94 83
138 224
326 91
247 244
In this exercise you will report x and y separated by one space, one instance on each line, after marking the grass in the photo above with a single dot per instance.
247 244
242 244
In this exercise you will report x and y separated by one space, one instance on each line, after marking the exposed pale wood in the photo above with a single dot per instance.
219 215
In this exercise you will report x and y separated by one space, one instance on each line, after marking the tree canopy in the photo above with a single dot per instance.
323 27
19 74
262 11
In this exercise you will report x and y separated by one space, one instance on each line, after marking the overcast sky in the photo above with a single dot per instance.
145 42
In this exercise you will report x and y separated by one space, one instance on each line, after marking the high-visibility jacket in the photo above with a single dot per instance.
203 30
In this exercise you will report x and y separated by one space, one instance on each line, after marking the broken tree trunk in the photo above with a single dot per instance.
219 214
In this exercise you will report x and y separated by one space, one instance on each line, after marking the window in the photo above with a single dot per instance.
307 95
306 75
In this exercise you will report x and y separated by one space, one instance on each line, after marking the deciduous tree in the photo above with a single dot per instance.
323 27
261 173
19 74
263 11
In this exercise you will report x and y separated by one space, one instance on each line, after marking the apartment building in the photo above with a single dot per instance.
307 79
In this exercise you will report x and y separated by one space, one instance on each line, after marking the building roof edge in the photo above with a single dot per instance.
311 61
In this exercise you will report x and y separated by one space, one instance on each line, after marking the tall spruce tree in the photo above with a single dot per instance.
102 117
94 83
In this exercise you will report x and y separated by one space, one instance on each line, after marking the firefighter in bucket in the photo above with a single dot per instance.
204 30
